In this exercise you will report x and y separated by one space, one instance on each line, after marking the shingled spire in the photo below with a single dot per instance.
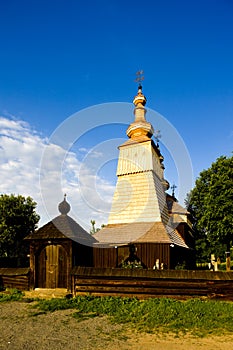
140 129
140 190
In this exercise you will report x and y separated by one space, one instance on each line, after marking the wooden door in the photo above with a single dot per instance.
52 267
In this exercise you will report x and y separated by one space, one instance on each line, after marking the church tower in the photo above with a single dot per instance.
140 190
143 216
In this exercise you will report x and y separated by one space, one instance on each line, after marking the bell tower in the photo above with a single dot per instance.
140 191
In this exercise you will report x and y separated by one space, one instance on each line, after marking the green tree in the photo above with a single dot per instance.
211 205
93 229
17 219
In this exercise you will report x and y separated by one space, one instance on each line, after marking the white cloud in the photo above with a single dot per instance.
90 152
31 166
83 150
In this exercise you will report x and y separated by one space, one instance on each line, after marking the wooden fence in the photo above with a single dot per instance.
17 277
149 283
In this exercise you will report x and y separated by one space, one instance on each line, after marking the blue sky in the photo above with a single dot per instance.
59 57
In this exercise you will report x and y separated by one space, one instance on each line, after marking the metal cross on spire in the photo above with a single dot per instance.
173 187
139 77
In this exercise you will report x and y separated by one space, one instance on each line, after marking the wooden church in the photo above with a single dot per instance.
147 228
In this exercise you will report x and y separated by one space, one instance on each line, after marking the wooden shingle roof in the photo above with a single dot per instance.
62 227
175 208
156 234
14 271
138 232
122 233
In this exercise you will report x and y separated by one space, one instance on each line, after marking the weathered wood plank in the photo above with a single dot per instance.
138 290
18 278
22 283
176 274
142 283
98 281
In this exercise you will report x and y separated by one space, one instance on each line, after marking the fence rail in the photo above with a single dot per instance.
18 278
149 283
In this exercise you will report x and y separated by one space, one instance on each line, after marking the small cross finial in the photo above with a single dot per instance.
139 77
173 187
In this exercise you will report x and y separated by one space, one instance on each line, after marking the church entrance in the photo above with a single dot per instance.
52 267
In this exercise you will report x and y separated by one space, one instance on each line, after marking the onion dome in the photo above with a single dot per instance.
139 98
64 207
140 128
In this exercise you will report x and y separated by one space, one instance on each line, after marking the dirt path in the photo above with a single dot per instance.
25 328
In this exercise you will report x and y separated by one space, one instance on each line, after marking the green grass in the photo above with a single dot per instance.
11 295
194 316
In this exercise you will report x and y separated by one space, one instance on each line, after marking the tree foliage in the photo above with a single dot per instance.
211 205
94 229
17 219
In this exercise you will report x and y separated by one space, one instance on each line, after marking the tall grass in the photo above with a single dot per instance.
194 316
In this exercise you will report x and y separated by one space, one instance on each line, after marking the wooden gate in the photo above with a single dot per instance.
52 267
